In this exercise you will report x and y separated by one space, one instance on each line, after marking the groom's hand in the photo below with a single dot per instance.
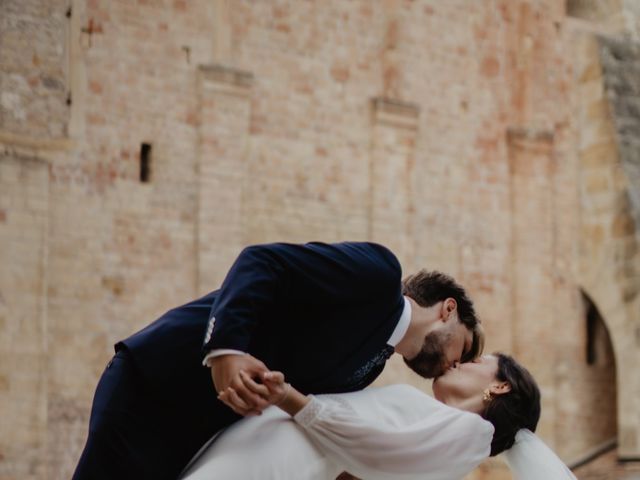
225 372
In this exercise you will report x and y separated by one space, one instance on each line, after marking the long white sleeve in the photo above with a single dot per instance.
396 432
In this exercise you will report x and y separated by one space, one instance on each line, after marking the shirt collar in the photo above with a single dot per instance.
402 326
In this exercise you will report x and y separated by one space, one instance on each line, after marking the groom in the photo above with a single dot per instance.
327 315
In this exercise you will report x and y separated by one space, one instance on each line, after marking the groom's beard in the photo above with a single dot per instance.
430 362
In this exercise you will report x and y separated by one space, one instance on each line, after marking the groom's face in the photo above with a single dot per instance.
441 349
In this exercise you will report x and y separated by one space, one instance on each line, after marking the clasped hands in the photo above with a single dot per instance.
246 385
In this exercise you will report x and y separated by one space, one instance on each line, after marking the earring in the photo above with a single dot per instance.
486 395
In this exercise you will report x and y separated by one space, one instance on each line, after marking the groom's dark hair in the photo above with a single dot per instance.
517 409
427 288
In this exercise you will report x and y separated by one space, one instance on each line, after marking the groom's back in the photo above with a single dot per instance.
316 339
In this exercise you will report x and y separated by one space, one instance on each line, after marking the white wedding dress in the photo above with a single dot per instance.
394 432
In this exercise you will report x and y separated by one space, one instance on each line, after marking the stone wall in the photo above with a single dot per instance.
33 82
470 137
609 245
621 66
24 328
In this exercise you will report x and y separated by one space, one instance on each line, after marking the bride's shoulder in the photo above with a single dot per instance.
402 404
404 390
405 397
409 398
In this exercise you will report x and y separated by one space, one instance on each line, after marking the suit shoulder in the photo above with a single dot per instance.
374 251
388 258
375 260
384 251
371 259
370 248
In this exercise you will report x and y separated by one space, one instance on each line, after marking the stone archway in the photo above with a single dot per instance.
609 253
601 11
616 316
598 380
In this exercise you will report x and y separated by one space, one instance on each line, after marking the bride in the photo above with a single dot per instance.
480 409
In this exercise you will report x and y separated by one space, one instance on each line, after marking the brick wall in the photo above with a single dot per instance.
451 131
33 81
24 329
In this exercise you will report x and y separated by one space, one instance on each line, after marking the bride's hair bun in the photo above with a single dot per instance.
519 408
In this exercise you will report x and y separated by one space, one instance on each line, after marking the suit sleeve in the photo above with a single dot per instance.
264 279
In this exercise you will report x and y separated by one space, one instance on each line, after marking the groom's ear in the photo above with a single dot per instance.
449 307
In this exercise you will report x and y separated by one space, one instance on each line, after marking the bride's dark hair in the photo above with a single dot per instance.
519 408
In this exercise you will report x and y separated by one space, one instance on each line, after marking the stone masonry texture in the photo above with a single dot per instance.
495 140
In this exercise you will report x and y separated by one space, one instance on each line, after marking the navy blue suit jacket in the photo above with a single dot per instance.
317 312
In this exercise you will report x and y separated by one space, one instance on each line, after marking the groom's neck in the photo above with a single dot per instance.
419 326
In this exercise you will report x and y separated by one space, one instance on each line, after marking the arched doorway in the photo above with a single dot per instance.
595 387
602 11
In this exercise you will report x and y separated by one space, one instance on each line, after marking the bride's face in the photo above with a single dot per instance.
466 381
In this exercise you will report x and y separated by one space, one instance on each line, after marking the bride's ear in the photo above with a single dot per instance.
500 388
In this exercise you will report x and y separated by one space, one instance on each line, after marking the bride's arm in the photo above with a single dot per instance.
428 440
444 443
286 397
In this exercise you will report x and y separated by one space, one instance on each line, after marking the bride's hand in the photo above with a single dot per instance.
278 389
273 388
